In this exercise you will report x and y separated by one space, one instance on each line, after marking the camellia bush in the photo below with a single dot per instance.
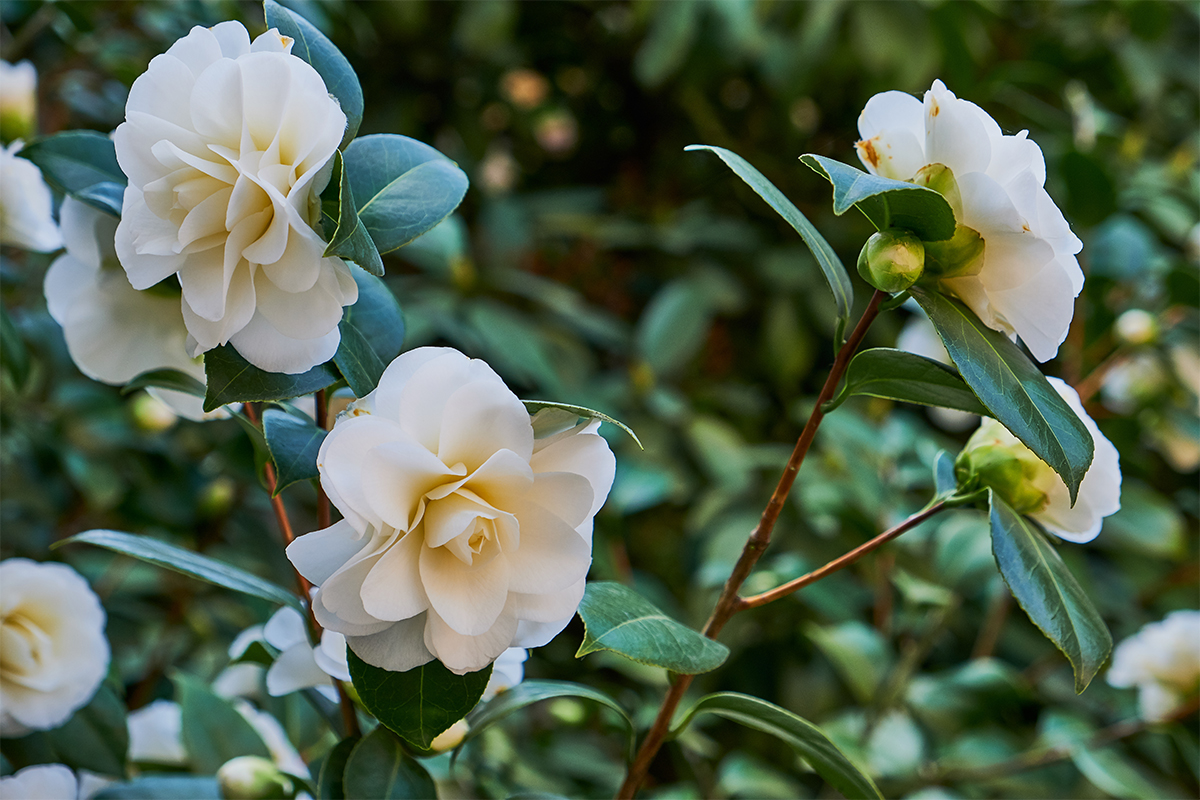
332 472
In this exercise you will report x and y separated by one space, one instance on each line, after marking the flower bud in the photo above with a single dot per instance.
18 100
957 256
450 738
1136 326
892 261
995 458
253 778
940 178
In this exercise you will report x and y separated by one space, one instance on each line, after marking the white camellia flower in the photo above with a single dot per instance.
1163 661
1039 491
156 734
18 99
1026 278
227 146
918 336
26 207
40 782
53 654
113 331
464 532
300 665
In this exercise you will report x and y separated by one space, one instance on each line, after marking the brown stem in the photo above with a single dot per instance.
993 623
728 603
323 514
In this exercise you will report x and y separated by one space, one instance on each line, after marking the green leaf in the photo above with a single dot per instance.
13 353
82 164
1104 767
163 787
618 619
372 334
885 202
402 187
580 412
1013 390
831 266
172 379
350 238
378 769
909 378
527 693
213 730
331 781
807 739
1048 591
312 46
945 481
185 561
418 704
293 443
233 379
95 738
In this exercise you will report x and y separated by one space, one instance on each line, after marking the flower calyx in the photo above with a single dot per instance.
994 459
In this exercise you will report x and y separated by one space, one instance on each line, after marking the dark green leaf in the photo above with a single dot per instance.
1011 387
350 238
909 378
618 619
378 769
402 187
534 406
293 443
1048 591
807 739
420 703
945 481
185 561
171 379
312 46
82 164
13 353
233 379
831 266
527 693
1103 766
163 787
213 730
885 202
372 334
331 782
95 738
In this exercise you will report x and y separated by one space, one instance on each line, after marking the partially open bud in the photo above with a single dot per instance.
958 256
996 459
892 261
18 100
253 778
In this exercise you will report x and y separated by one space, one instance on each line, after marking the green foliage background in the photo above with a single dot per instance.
595 262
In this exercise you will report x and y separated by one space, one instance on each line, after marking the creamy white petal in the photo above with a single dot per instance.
285 628
892 127
293 670
268 349
392 589
552 555
462 654
956 133
319 554
399 647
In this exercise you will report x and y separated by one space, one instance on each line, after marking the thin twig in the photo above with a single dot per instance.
729 603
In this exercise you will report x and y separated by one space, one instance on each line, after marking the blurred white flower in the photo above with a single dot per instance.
1025 280
113 331
26 207
156 734
299 664
55 653
1163 661
1134 381
282 751
1032 487
918 336
1137 326
18 99
40 782
507 671
227 146
464 534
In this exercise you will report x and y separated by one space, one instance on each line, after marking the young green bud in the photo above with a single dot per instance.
957 256
940 178
253 778
892 261
994 458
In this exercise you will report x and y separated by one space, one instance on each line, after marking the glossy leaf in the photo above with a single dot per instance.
331 779
534 406
909 378
213 730
1048 592
187 562
831 266
172 379
402 187
420 703
372 334
945 481
378 769
82 164
293 442
14 356
618 619
1013 390
95 738
885 202
312 46
350 239
233 379
163 787
806 738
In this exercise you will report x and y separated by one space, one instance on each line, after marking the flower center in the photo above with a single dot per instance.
23 649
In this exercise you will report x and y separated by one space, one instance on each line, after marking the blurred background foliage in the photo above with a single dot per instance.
595 262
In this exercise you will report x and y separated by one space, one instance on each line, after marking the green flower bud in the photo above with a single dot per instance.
892 261
957 256
253 778
994 458
940 178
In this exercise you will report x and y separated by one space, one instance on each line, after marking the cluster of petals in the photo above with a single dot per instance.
1163 661
227 145
1027 277
26 206
113 331
464 533
53 654
299 665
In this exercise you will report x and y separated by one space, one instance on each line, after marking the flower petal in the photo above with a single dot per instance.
552 555
399 647
467 598
392 590
462 654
